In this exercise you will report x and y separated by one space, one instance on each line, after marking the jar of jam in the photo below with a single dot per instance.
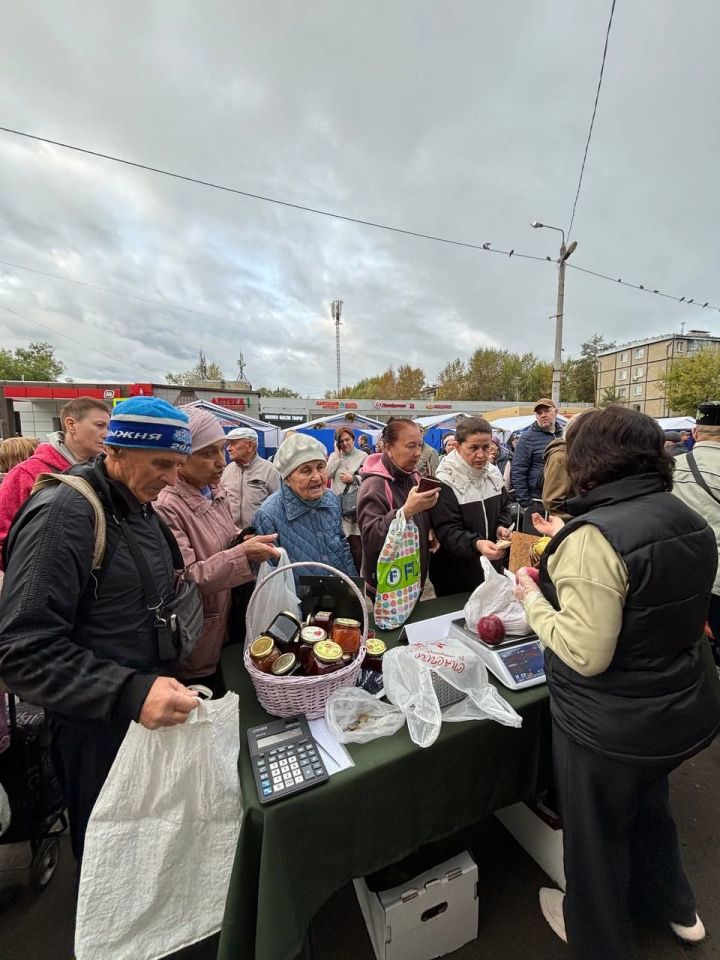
324 619
285 631
347 633
285 666
327 656
309 636
374 651
264 653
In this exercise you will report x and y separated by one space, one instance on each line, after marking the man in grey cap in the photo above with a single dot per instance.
696 481
248 479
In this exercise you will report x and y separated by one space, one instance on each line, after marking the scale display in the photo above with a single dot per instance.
284 758
517 662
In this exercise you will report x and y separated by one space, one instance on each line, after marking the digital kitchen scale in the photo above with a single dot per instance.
517 662
284 758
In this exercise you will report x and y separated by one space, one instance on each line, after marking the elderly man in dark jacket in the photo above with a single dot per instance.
80 641
528 464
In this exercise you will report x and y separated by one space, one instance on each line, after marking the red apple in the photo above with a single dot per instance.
491 629
531 572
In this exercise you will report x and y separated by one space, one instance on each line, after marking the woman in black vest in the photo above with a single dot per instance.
625 588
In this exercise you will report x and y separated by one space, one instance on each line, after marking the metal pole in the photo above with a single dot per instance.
337 352
557 356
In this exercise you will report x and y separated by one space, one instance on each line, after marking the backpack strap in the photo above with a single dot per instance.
699 478
81 486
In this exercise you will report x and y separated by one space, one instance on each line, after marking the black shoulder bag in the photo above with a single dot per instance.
179 618
699 478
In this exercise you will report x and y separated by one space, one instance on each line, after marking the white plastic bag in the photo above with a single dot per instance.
495 596
356 716
5 815
407 675
161 840
275 597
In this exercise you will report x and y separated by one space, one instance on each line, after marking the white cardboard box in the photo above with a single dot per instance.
542 841
429 916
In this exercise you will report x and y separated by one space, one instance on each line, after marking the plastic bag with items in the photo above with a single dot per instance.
495 596
356 716
277 596
413 676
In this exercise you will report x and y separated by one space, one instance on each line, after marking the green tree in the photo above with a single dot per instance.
212 371
611 397
37 361
409 382
691 380
277 392
452 381
579 375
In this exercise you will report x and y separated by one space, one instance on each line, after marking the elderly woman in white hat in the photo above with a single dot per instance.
305 515
248 479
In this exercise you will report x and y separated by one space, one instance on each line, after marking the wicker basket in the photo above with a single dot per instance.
288 696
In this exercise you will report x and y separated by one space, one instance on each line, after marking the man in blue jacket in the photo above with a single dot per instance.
527 462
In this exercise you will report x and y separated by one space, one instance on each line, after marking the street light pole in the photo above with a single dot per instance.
565 252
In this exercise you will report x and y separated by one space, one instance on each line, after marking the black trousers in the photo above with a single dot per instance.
621 850
537 506
714 621
83 756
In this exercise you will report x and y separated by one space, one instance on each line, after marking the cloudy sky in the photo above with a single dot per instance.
463 119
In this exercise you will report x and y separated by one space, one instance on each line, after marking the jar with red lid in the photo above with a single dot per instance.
264 653
347 633
309 636
374 651
327 657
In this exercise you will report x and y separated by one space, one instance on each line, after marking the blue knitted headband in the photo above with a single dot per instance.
149 423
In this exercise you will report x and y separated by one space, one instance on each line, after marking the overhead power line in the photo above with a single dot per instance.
487 247
483 247
592 120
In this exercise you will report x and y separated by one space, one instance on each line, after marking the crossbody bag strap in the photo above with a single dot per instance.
699 478
152 597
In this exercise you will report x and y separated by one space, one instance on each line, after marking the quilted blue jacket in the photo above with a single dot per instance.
307 529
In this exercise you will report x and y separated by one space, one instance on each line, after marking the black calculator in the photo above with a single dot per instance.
285 758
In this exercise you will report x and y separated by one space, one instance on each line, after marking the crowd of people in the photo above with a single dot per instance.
628 588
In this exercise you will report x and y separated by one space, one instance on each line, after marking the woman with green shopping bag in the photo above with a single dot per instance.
390 484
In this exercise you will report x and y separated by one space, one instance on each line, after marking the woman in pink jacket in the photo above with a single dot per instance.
197 512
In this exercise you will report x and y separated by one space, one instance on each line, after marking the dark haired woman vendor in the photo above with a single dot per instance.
624 592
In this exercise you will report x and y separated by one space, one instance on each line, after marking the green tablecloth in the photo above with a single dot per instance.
293 855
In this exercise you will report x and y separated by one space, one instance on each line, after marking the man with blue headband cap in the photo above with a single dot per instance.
77 634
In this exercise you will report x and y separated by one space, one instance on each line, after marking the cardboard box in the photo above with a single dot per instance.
540 836
429 916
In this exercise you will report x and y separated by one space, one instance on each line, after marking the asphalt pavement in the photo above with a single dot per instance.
39 926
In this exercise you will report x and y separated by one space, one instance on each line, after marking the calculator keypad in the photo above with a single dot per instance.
286 768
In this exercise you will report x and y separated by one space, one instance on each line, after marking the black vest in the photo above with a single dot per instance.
658 699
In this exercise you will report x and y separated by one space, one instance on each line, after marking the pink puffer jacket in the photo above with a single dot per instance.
203 529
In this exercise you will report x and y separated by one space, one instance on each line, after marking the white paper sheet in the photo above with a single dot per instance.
335 756
436 628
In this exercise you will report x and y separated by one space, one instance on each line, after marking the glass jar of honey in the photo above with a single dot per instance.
264 653
309 636
347 633
374 651
286 665
327 656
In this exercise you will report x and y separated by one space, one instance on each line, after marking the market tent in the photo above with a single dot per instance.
268 435
676 423
323 428
439 425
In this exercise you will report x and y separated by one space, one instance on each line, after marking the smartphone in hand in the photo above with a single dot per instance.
428 483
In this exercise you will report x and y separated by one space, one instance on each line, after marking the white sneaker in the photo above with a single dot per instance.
693 934
551 904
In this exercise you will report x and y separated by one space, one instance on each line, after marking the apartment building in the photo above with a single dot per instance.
634 370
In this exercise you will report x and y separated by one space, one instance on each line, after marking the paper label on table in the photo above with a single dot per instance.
427 631
335 756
